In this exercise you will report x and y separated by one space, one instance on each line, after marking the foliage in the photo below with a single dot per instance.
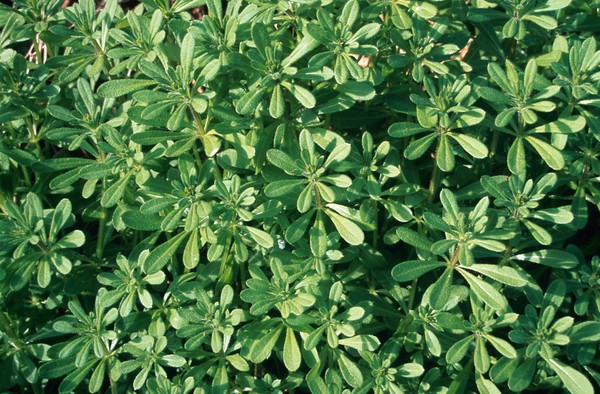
316 196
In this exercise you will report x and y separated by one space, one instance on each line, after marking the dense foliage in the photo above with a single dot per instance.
317 196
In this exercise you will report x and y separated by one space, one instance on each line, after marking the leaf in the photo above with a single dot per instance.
261 237
303 95
504 347
547 152
137 220
585 332
405 129
445 155
486 292
57 368
410 270
573 380
458 350
114 193
413 238
348 230
160 256
544 21
277 104
191 253
516 157
121 87
337 155
283 187
350 371
471 145
248 103
187 55
551 257
418 147
507 275
357 90
261 349
361 342
440 291
571 124
291 351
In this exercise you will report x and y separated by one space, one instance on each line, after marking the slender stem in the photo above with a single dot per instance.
376 220
495 139
36 47
197 122
413 293
101 230
433 182
7 328
455 257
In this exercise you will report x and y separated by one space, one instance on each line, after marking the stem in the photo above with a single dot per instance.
197 122
495 139
376 230
452 263
433 182
413 293
38 54
101 230
7 328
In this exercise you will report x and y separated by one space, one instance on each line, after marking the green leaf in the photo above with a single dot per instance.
277 105
361 342
585 332
291 351
121 87
187 55
471 145
410 270
573 380
571 124
405 129
160 256
445 155
350 371
507 275
554 258
516 157
504 347
349 231
191 253
440 291
283 187
114 193
418 147
413 238
486 292
547 152
544 21
303 95
459 350
248 103
73 380
357 90
261 237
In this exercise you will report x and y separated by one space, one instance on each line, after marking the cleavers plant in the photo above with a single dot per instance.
300 196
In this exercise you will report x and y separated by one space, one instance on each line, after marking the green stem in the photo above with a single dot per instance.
7 328
433 182
38 53
495 139
101 230
376 220
413 293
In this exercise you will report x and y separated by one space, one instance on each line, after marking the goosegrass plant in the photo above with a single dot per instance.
303 196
